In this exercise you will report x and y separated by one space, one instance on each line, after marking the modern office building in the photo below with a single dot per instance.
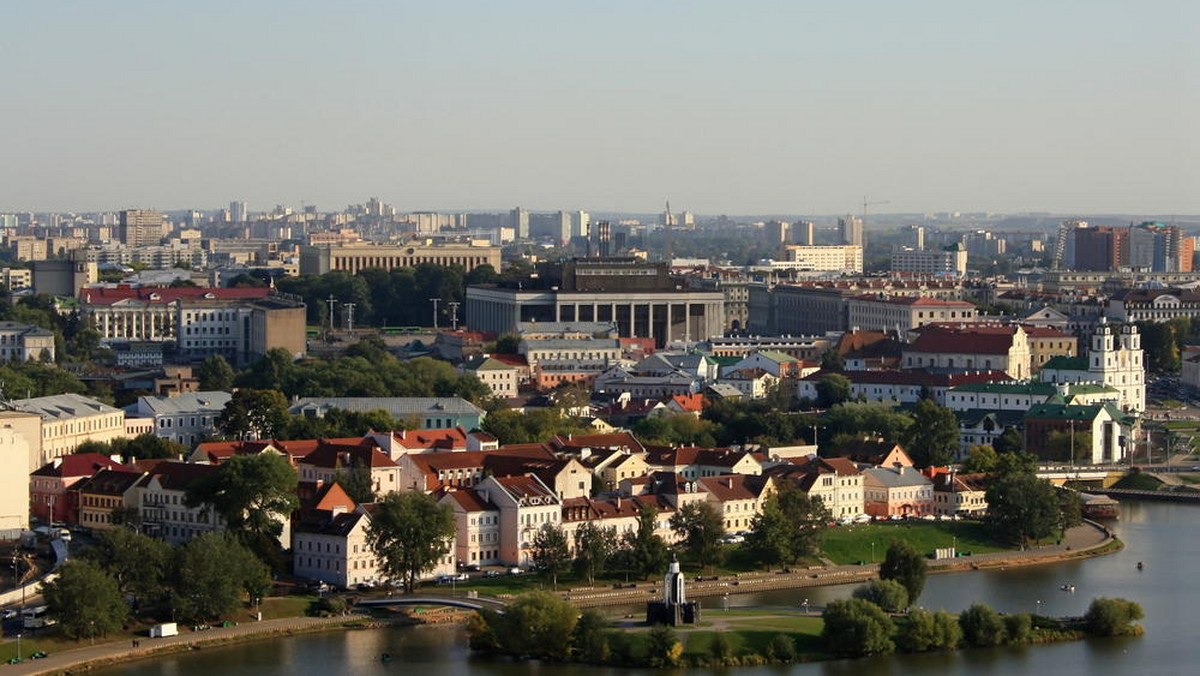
847 259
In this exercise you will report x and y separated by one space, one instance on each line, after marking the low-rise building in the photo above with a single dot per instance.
108 498
738 498
68 420
526 506
23 342
162 503
500 377
903 491
424 413
183 418
50 496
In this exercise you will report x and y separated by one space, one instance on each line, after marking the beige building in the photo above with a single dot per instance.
64 422
141 227
738 498
848 258
526 505
352 258
14 490
875 313
501 377
22 342
982 348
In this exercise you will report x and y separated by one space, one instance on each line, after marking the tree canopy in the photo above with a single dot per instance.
854 628
212 575
932 439
788 528
254 414
699 527
254 494
905 565
409 533
551 552
85 600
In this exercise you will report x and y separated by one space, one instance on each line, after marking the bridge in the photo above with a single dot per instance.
1061 475
470 602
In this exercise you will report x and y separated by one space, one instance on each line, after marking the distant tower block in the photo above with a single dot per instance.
674 609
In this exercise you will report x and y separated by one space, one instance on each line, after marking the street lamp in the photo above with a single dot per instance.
1039 607
19 643
872 551
805 606
725 601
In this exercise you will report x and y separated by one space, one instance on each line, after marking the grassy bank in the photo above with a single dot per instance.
851 544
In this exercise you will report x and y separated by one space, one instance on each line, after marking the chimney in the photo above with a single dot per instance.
57 462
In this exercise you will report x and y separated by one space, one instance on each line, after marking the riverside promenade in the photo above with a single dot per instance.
87 657
1082 541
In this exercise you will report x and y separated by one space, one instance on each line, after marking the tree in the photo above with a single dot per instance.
906 566
589 641
833 388
551 551
699 527
508 343
644 551
254 494
781 648
537 624
1010 441
356 480
215 374
789 527
981 626
1069 446
889 595
663 648
932 439
1022 507
137 562
85 600
924 630
719 648
980 459
1018 628
594 546
854 628
254 414
853 419
212 574
409 533
1111 617
1070 512
832 360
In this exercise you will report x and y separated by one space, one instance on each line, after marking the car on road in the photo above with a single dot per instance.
10 614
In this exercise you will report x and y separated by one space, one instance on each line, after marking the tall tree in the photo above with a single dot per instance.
1011 441
85 600
789 527
253 493
645 551
215 374
213 574
905 565
832 389
1022 507
932 439
551 551
409 533
699 527
137 562
832 360
254 414
594 546
855 628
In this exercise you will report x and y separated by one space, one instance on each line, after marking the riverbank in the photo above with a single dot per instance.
91 657
1087 540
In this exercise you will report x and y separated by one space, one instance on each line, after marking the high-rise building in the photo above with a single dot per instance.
238 212
519 221
914 237
141 227
580 222
852 231
778 233
804 233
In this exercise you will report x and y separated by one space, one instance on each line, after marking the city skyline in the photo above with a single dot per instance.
759 108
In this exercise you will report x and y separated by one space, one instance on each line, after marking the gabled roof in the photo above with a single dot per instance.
1073 412
735 486
470 501
526 487
1066 364
334 456
614 440
109 481
868 451
62 407
1010 387
185 402
692 403
179 476
977 340
893 478
398 407
76 465
450 438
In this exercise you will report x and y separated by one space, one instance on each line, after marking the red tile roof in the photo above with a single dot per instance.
76 465
980 340
164 295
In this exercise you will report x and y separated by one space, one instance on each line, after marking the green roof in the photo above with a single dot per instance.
1091 388
723 361
975 416
1044 389
1074 412
1067 364
778 357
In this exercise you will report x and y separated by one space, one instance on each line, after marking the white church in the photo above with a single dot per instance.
1114 360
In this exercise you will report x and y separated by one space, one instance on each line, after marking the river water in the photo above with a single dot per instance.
1165 536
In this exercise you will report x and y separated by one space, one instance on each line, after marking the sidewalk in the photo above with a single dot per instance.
122 650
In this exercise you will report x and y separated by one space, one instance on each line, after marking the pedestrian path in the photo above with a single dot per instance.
116 651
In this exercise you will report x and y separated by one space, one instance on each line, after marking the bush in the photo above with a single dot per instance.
719 648
1018 628
949 633
328 606
589 640
781 648
538 624
663 649
855 628
1111 617
918 633
889 595
981 626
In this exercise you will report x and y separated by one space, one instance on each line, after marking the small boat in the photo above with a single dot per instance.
1068 588
1139 565
386 657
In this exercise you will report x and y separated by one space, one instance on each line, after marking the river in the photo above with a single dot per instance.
1165 536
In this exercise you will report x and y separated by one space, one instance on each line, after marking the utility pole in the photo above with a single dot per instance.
454 313
349 320
331 301
435 309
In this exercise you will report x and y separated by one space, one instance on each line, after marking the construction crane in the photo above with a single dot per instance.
867 203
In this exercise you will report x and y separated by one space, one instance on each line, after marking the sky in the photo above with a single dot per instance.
801 107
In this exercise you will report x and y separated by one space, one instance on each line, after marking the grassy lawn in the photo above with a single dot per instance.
283 606
752 636
851 544
1139 481
47 641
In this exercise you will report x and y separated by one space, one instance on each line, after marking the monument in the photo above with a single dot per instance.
674 609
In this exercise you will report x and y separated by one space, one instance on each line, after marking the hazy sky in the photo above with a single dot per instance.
724 107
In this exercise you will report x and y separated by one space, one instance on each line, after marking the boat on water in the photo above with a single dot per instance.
1068 588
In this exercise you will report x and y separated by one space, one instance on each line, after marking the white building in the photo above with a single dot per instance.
1114 360
184 418
847 258
949 262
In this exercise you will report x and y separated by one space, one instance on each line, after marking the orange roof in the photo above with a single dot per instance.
450 438
692 403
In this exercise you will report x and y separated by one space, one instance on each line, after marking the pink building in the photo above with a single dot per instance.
899 491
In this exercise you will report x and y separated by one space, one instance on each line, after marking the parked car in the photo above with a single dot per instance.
491 573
